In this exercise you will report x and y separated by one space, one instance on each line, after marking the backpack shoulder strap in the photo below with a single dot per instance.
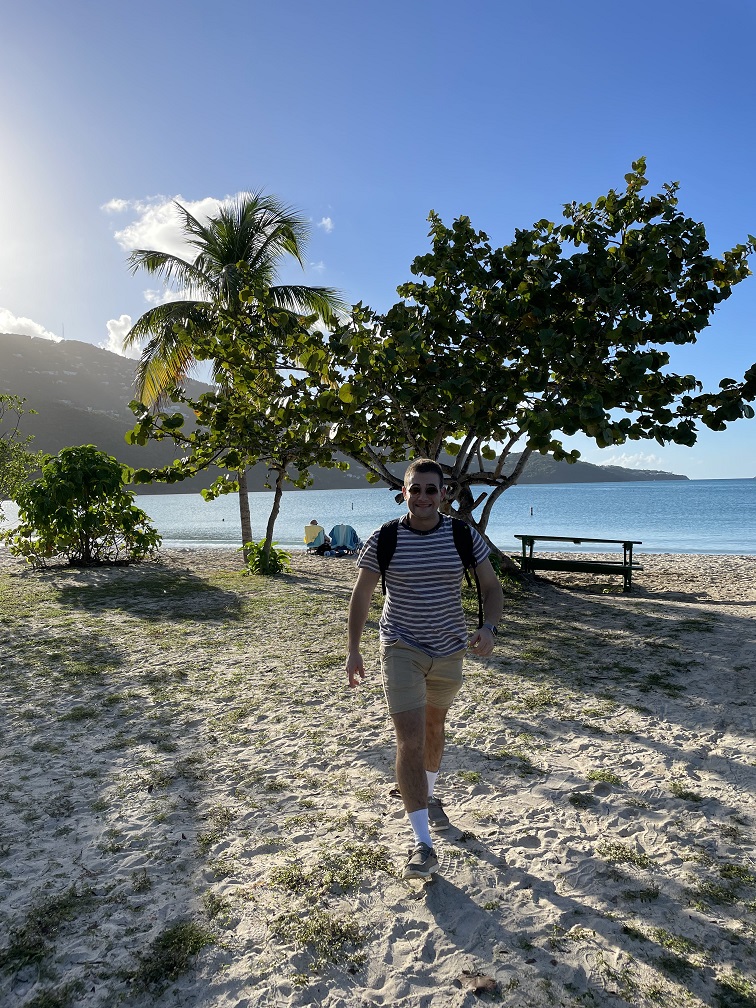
464 544
386 547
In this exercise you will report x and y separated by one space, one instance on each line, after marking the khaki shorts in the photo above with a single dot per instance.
412 679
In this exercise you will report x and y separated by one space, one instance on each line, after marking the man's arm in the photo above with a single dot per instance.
482 641
359 607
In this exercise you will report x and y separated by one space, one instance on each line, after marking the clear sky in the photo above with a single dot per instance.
366 117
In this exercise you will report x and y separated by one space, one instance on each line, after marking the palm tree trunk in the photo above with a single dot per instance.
246 521
274 513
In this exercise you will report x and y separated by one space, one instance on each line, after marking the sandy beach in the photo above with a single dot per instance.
196 810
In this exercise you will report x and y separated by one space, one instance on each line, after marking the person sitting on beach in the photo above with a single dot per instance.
315 538
423 641
344 540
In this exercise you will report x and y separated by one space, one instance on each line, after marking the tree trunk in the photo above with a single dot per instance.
246 522
273 514
465 506
506 561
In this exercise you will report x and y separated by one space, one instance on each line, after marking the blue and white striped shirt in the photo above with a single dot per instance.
423 606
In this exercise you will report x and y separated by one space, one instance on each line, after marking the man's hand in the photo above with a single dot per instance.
482 643
355 668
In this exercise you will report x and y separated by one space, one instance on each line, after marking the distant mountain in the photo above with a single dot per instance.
543 469
81 394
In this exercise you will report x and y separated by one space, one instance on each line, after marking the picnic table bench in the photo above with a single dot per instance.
625 567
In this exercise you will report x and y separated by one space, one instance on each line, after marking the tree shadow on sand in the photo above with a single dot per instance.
567 945
151 594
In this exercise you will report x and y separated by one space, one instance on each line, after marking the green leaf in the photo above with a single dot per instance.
345 393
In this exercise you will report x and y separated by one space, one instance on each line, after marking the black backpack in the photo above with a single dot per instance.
386 547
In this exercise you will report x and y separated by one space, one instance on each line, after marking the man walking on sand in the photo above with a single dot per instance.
423 641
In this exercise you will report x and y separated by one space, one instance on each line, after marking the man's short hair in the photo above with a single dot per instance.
423 465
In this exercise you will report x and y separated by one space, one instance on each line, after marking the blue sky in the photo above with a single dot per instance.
366 117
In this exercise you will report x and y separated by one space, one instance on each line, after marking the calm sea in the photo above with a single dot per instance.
679 516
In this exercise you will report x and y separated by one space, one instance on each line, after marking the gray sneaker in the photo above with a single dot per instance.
422 862
436 816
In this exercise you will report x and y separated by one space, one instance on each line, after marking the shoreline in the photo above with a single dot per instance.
180 750
707 519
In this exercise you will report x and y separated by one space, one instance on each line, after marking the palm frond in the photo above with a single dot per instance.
324 302
258 229
168 357
196 233
162 368
172 269
160 320
255 229
276 235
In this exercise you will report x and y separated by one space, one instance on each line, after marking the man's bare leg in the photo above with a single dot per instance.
434 737
409 727
434 751
413 785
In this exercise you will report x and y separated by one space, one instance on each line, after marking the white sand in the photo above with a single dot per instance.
171 745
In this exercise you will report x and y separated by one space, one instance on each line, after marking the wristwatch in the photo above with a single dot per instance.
493 628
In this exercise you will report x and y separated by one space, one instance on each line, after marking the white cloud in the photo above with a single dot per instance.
637 461
115 206
156 297
117 330
158 225
10 323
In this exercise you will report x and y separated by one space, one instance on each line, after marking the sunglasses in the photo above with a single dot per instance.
430 491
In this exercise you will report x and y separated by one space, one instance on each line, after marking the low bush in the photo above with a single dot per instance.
277 561
80 512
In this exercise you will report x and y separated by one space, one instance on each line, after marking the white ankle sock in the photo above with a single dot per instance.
431 775
419 822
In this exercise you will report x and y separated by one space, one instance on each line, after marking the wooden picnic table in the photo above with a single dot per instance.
625 567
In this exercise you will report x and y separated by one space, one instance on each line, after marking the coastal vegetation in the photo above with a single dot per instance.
491 357
17 461
266 558
81 394
236 257
491 354
80 511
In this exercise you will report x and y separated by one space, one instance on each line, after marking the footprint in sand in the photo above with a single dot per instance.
530 842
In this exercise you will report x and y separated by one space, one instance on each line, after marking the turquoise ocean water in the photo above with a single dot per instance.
679 516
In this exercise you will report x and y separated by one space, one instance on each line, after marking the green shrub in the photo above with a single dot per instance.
17 461
80 511
277 561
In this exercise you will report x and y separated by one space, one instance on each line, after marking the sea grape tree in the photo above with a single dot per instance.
80 512
497 351
490 354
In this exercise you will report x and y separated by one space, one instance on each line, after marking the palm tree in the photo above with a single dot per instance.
254 229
